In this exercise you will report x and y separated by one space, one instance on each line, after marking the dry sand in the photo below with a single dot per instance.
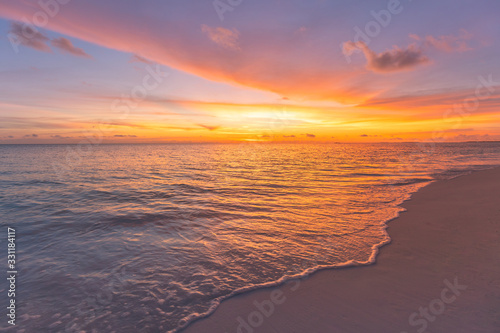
441 272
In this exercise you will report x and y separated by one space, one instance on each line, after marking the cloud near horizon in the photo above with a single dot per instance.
208 127
58 136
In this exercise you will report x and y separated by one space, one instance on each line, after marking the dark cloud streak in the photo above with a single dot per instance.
393 60
138 58
66 46
27 36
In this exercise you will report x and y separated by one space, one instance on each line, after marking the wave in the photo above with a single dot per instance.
185 322
457 172
275 220
351 263
410 181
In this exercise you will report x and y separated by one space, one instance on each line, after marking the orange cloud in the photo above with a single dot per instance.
208 127
430 102
269 61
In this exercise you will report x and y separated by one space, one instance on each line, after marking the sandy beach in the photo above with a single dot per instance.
440 273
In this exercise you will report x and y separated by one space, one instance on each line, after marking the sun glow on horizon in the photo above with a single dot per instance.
198 79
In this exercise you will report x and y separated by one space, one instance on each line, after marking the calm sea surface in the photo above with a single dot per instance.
145 238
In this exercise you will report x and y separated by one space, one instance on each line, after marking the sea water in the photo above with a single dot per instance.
147 238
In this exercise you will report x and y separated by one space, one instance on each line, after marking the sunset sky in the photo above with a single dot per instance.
251 70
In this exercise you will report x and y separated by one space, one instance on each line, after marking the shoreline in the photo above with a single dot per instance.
280 307
310 271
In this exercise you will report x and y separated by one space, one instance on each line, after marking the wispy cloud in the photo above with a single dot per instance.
432 100
476 137
66 46
61 137
223 37
27 36
208 127
447 43
138 58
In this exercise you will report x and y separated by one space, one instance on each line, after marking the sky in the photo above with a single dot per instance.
240 70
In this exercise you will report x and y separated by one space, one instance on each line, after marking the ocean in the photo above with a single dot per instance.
149 237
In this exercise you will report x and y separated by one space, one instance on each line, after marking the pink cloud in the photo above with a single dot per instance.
447 43
281 62
222 36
